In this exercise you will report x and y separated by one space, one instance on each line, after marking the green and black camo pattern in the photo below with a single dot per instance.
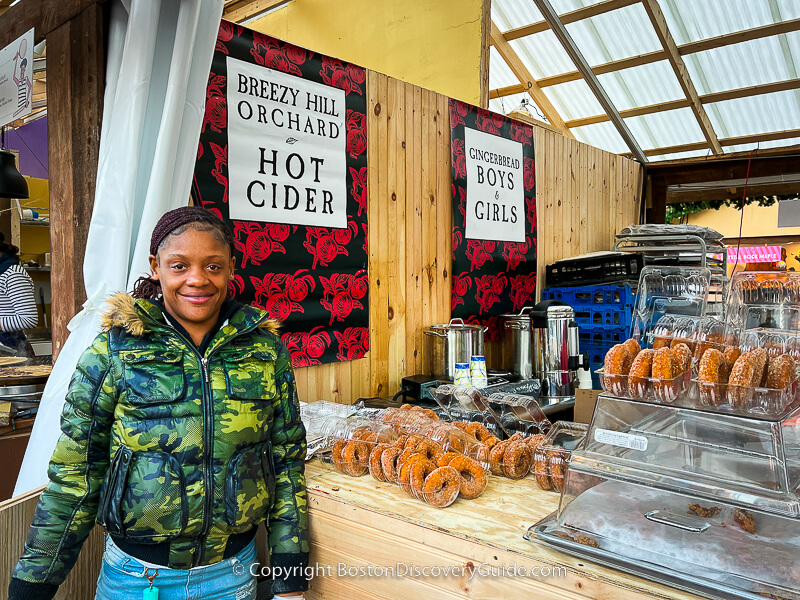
136 451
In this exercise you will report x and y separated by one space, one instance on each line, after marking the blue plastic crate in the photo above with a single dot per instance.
592 317
592 295
597 355
602 336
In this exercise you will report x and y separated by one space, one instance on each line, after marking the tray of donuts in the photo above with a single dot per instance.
552 455
753 381
660 375
512 457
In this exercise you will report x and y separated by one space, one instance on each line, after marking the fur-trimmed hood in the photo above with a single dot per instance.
121 312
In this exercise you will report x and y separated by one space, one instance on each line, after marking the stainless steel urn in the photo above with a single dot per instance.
556 356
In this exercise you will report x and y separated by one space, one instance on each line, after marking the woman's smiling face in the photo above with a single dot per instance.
193 269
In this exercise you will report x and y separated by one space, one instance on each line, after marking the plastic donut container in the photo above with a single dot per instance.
646 389
551 457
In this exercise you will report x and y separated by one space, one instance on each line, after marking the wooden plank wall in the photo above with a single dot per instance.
585 195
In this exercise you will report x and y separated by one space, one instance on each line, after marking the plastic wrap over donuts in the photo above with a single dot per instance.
658 375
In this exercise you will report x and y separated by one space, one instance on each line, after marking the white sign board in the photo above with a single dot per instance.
286 148
16 79
495 188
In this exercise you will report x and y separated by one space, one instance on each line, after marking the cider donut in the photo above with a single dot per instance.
405 455
662 370
759 366
491 441
740 382
445 458
540 469
400 442
712 340
389 463
632 346
478 431
681 359
355 458
462 424
473 477
660 342
691 344
556 467
534 441
731 353
432 450
441 487
417 408
405 407
412 440
517 460
641 369
712 362
517 437
375 466
419 472
782 371
404 473
430 414
496 458
336 454
616 366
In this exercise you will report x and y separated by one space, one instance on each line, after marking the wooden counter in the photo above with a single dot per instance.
360 522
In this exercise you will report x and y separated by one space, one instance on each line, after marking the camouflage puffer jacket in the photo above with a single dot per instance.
160 444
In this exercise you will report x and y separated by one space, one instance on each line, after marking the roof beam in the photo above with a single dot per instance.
560 31
509 90
241 10
731 141
679 67
570 17
526 79
754 90
690 48
738 37
732 191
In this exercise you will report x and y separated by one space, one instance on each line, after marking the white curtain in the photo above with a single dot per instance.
159 58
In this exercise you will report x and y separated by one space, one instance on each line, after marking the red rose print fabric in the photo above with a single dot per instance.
490 278
314 279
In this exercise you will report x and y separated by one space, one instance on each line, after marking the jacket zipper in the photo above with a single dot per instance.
208 476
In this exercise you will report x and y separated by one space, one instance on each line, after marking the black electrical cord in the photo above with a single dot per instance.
402 393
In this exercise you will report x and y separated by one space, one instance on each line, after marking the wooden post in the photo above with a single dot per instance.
657 209
75 83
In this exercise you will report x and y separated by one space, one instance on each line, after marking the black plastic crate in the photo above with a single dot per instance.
595 269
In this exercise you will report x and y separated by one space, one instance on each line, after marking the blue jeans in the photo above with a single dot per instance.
122 577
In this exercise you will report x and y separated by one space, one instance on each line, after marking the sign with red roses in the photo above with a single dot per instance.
283 160
494 201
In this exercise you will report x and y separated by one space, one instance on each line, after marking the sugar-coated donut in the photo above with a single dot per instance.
404 472
473 477
478 431
355 458
462 424
336 454
534 441
432 450
641 370
662 370
740 382
419 472
782 371
731 353
389 463
661 342
632 346
556 467
405 407
430 414
517 460
400 442
691 344
517 437
413 439
491 441
709 375
445 459
441 487
681 359
759 367
496 458
540 469
375 466
616 367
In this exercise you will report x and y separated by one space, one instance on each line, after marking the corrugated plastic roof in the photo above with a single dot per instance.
627 32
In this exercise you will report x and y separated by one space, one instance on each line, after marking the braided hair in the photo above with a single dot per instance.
173 224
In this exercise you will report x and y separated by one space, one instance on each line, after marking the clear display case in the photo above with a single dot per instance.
706 502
